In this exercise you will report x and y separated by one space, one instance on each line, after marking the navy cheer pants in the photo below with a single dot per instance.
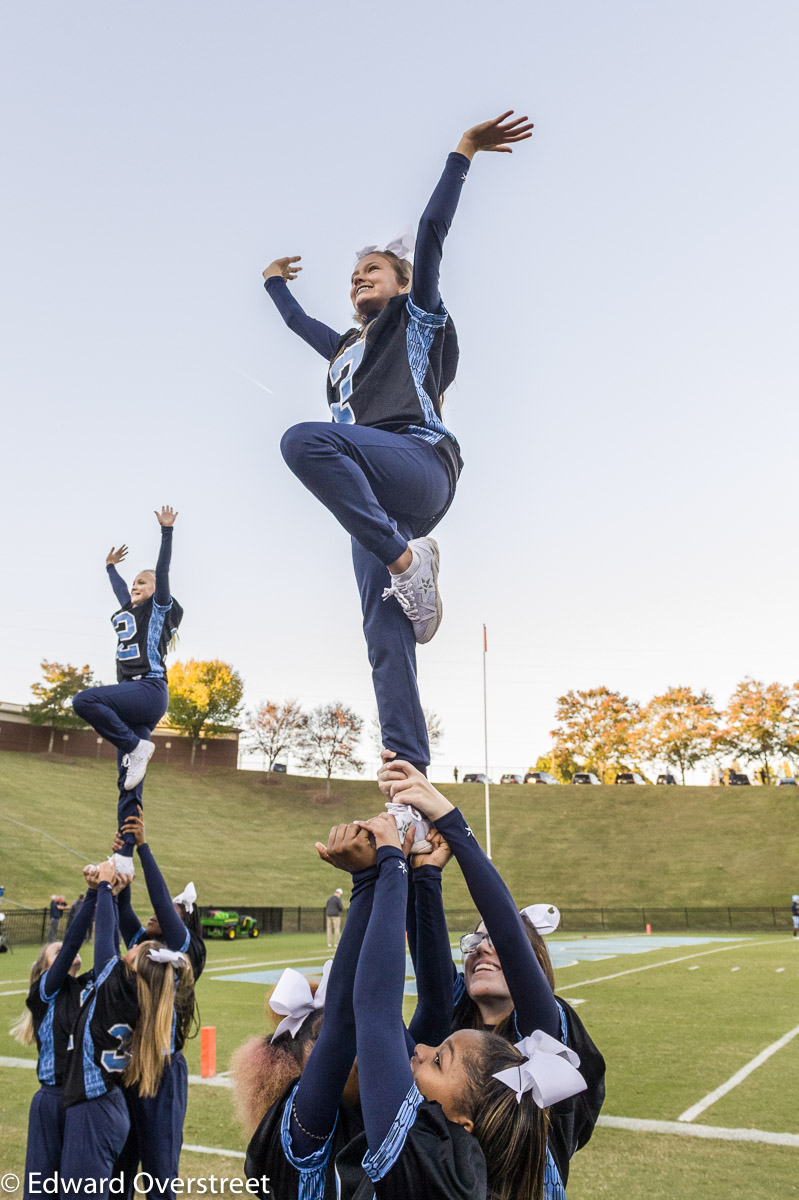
124 714
384 488
45 1137
94 1134
156 1128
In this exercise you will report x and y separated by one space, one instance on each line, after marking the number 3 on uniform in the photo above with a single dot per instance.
117 1060
125 626
341 373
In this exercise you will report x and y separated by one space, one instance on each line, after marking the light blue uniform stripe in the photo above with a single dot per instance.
380 1163
312 1168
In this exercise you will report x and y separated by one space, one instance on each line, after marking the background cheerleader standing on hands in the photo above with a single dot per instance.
387 466
126 712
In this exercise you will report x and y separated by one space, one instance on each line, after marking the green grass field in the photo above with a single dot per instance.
247 838
673 1023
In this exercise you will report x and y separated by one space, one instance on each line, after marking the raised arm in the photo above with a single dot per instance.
496 135
166 519
432 1021
384 1071
320 337
174 933
535 1004
117 582
318 1094
53 979
130 926
105 923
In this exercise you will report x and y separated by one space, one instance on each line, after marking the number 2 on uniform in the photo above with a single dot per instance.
341 373
125 626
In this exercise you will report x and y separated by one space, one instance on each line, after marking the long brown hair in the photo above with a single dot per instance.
512 1134
22 1029
163 990
403 269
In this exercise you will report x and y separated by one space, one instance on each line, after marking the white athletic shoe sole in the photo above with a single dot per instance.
123 865
405 816
136 763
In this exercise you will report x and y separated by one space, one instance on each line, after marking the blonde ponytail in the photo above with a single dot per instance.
163 990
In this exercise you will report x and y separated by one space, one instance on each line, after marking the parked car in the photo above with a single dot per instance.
539 777
630 777
476 778
512 779
787 781
738 779
585 777
670 780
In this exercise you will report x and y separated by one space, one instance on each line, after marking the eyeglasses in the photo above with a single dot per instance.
470 941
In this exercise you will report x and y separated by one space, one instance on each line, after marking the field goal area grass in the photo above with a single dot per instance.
701 1036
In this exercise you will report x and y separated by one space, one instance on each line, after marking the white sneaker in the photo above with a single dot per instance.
418 596
405 816
123 865
136 762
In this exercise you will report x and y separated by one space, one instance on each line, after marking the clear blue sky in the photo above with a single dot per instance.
624 287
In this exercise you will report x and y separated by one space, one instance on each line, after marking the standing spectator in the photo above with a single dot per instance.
455 774
333 910
795 914
57 906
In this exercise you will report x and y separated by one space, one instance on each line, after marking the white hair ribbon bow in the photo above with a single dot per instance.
176 957
293 999
550 1071
187 897
545 917
402 245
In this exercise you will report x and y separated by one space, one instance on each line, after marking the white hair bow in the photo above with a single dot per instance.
187 897
402 245
293 999
550 1071
176 957
545 917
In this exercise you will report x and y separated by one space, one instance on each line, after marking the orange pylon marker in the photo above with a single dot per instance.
208 1051
648 929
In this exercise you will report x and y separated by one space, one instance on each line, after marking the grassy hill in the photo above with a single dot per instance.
247 838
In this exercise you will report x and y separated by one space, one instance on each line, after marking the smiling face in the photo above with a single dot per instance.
440 1073
142 587
374 282
483 975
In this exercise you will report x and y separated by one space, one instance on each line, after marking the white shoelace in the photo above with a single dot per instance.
405 599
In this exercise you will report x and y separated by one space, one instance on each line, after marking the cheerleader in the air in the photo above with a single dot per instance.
387 465
51 1010
126 712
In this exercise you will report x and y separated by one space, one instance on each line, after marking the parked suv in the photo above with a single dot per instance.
630 777
668 779
584 777
475 778
511 778
787 781
539 777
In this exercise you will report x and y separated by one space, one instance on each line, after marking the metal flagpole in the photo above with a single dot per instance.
485 737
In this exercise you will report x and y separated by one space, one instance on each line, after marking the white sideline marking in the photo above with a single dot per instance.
563 987
211 1150
700 1131
735 968
737 1078
695 967
19 992
272 962
214 1081
780 970
27 1063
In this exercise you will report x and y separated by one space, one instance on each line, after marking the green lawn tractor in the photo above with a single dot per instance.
220 923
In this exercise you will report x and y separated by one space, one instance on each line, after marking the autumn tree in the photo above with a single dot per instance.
595 727
329 742
204 698
558 763
53 703
678 728
275 729
759 722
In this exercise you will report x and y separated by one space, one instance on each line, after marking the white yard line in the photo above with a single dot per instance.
272 962
563 987
26 1063
214 1081
700 1131
738 1077
19 992
212 1150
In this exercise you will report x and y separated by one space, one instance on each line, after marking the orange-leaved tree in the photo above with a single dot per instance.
678 728
53 703
204 698
330 739
596 727
759 722
275 728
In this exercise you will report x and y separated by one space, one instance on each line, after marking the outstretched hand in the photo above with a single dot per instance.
167 516
383 829
115 556
135 825
401 782
349 848
91 875
498 135
439 856
284 268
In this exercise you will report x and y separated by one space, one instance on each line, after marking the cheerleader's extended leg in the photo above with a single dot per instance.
45 1137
